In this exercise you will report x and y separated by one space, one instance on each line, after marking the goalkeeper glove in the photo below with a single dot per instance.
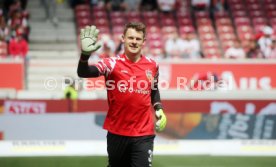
88 37
162 120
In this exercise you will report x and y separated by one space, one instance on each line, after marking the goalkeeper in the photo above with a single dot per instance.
132 90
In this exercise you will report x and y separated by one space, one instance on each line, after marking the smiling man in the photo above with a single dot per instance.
132 90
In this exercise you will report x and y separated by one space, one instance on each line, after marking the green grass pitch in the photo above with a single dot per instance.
159 161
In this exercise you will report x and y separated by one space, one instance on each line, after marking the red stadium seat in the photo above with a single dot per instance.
270 6
244 29
231 2
98 8
153 29
99 15
134 16
186 29
269 1
154 44
254 6
242 21
202 14
225 29
117 21
83 14
209 44
271 14
168 22
182 15
135 19
237 14
150 14
212 53
154 36
101 22
237 7
117 14
104 29
223 22
259 21
166 16
272 21
256 13
221 14
251 1
227 36
167 30
184 21
246 36
118 29
204 22
152 22
82 22
206 29
259 27
207 36
82 7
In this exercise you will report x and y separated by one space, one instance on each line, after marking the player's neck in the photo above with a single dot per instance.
133 58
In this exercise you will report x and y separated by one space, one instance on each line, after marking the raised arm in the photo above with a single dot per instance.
88 37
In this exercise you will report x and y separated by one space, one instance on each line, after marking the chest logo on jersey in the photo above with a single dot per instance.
149 75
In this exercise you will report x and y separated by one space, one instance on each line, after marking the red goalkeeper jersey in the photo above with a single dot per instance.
128 87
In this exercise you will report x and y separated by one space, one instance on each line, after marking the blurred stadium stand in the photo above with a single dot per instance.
51 46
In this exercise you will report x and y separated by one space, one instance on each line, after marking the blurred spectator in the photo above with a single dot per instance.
71 94
70 91
17 21
106 52
218 5
50 11
254 50
18 46
156 54
174 46
15 6
236 51
115 5
201 4
191 46
272 54
3 48
4 30
119 48
108 47
133 5
265 41
148 5
166 5
95 2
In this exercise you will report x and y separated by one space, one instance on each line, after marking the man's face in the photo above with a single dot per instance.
133 41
